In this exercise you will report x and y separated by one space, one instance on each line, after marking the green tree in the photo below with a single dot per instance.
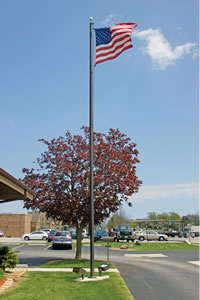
8 258
132 223
152 216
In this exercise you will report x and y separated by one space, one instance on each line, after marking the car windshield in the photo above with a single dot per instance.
61 233
124 227
101 232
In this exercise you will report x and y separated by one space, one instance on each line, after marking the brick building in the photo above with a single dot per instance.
15 225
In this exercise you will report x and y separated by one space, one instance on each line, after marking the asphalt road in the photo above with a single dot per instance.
170 275
161 278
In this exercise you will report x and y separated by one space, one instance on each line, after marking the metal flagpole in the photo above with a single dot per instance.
91 157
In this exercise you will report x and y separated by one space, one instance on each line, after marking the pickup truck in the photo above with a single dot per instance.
123 232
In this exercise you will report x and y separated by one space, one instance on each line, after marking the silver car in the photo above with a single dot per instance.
150 236
62 239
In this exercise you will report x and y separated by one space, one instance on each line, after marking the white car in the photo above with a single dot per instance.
35 235
85 233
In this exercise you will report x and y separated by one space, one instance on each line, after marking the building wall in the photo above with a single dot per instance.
40 221
15 225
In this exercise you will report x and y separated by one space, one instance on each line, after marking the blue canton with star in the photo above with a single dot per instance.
103 36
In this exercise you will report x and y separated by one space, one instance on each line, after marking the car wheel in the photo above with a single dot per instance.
118 240
26 238
44 238
70 247
161 238
141 238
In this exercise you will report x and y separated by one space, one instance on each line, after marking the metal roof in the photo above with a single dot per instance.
12 189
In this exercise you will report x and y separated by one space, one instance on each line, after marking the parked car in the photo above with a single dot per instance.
47 230
188 234
51 234
1 233
150 236
62 239
35 235
99 234
196 234
73 235
85 233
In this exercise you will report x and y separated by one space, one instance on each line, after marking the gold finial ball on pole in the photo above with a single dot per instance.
91 19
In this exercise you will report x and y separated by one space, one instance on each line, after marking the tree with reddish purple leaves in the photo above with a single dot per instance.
61 181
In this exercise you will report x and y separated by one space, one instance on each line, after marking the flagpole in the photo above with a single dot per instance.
91 157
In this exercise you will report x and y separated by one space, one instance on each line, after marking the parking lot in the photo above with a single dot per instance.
12 240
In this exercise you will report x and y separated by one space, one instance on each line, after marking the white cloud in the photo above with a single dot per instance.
166 191
108 20
160 50
112 19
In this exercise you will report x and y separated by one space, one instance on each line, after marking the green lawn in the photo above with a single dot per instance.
57 285
164 246
70 263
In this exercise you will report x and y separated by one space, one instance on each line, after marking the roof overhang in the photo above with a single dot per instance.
12 189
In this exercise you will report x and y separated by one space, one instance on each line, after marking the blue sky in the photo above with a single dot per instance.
150 92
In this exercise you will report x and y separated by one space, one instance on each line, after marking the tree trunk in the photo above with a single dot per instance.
78 242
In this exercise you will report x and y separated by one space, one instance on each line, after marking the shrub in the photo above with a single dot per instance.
8 258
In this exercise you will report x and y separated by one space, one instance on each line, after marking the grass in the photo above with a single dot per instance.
164 246
70 263
57 285
148 246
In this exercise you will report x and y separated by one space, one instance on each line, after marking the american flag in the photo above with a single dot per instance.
112 41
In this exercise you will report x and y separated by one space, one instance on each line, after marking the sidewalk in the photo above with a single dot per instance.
61 270
14 240
19 240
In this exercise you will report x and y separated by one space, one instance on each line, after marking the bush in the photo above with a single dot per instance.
8 258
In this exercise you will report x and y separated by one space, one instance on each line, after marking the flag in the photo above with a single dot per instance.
112 41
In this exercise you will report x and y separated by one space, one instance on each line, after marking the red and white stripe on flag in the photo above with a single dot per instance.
111 42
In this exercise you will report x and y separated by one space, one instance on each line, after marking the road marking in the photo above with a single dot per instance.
18 247
145 255
194 262
47 247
